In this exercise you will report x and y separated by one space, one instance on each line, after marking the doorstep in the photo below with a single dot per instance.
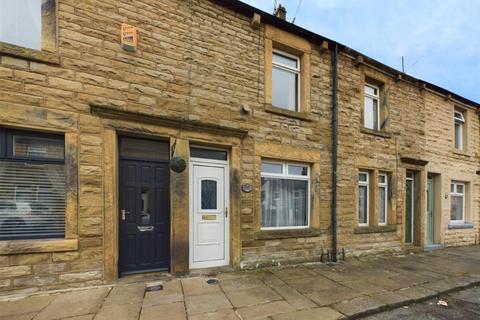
433 247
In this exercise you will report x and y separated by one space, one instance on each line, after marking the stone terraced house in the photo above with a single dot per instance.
212 134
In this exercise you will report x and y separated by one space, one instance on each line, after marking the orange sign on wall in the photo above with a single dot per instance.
129 37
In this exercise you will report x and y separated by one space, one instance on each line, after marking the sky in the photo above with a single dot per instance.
440 39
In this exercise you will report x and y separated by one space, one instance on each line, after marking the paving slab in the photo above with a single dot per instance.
209 302
363 286
358 305
227 314
23 306
312 314
293 297
24 316
391 298
172 292
240 283
196 286
418 292
327 297
251 297
132 293
172 311
128 311
75 303
264 311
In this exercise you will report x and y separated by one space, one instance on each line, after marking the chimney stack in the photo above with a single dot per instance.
281 12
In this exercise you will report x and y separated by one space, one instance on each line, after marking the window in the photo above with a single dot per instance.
28 23
459 128
372 107
363 198
285 81
32 185
457 202
285 195
382 199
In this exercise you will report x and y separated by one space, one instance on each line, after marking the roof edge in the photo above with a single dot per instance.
268 18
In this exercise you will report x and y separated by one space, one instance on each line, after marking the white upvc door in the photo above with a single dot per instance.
209 221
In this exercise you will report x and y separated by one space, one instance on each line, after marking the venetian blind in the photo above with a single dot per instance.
32 200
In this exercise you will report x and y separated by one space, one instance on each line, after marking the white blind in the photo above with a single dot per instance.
32 200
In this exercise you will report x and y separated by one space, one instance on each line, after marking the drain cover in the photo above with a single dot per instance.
154 286
212 281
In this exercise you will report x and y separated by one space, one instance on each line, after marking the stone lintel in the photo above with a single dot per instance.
418 162
168 121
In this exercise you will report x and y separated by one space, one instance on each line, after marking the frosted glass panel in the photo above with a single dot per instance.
21 23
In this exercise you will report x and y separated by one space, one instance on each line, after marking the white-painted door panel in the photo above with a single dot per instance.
209 221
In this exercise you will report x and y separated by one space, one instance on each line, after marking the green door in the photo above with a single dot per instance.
430 211
409 209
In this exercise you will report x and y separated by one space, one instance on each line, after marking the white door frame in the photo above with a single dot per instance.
225 166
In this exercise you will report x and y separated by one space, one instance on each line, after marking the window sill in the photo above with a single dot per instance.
460 226
377 133
292 114
374 229
287 234
463 153
34 246
29 54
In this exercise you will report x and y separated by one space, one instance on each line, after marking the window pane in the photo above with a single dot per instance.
132 148
362 204
362 177
298 170
21 23
284 60
33 147
382 199
284 89
458 136
371 113
382 179
208 154
459 188
456 210
284 203
371 90
272 168
209 194
32 200
452 187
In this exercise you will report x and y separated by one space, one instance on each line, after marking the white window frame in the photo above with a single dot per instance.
366 184
297 71
385 186
374 97
460 121
455 193
285 175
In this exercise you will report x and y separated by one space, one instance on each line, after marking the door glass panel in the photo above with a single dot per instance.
208 154
209 194
131 148
144 207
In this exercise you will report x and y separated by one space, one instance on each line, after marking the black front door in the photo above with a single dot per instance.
144 216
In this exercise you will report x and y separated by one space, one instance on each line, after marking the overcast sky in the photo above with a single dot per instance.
440 39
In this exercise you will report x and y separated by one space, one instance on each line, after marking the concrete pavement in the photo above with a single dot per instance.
317 291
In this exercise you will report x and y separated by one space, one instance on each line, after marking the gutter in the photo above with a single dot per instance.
334 149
